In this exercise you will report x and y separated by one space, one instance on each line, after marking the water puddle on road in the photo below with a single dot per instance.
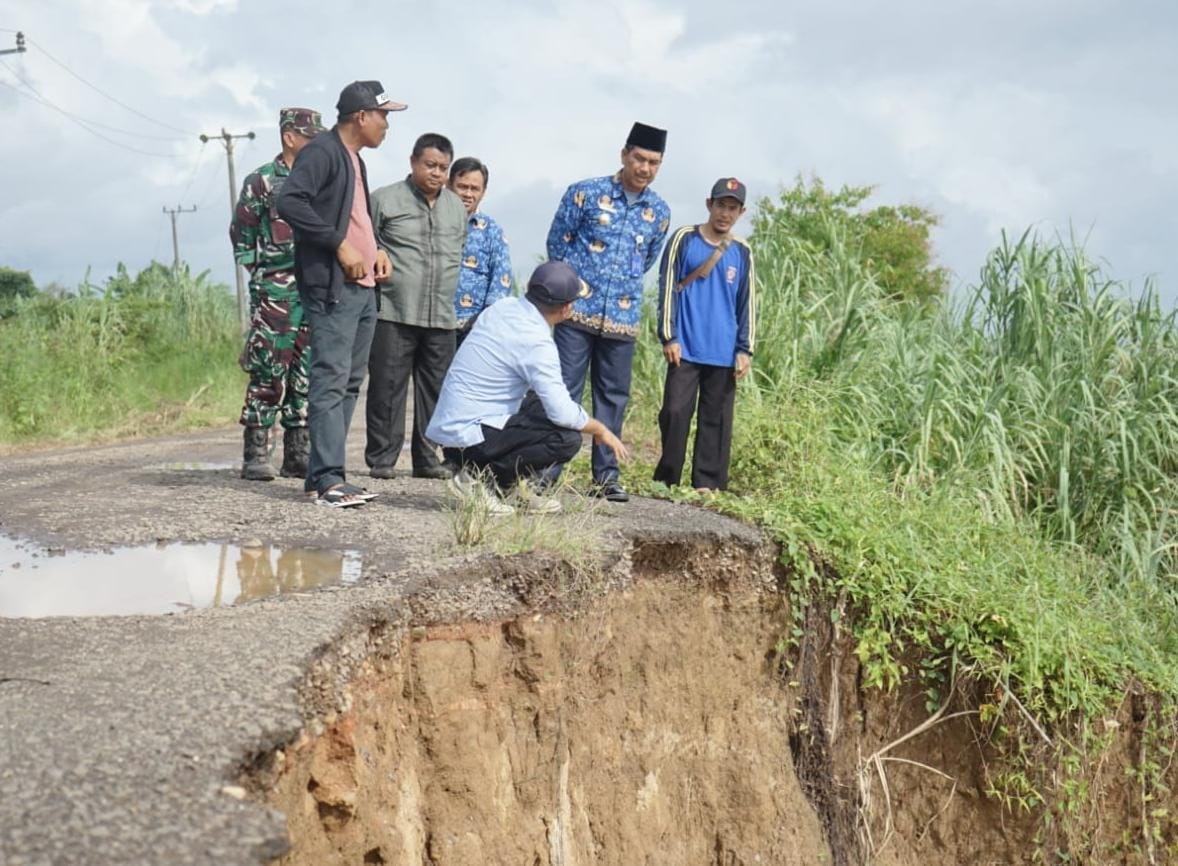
159 578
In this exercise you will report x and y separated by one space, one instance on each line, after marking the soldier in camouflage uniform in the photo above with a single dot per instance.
277 351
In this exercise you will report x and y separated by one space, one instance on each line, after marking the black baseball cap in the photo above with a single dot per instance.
728 187
366 96
556 283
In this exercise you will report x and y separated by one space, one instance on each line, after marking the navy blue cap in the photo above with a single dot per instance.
556 283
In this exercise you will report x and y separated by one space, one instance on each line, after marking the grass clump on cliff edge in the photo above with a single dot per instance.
141 353
991 480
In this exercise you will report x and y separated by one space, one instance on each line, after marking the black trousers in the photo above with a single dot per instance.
716 389
461 334
528 444
397 352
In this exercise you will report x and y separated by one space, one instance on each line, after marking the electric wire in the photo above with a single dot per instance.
103 93
208 194
36 95
195 168
108 127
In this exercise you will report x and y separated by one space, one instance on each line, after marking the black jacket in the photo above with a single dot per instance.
316 201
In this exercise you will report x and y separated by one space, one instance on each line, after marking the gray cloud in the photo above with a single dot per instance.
1053 114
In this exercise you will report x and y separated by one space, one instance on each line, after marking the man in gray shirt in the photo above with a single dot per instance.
422 226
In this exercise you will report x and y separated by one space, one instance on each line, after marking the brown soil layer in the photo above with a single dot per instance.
656 723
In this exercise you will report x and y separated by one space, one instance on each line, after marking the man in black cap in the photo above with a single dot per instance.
708 325
337 265
483 421
610 229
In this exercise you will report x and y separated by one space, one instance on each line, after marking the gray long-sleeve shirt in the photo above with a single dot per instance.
424 244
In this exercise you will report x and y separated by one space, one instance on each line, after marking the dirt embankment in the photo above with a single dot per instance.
655 723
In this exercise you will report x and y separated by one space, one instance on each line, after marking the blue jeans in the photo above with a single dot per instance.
608 364
341 335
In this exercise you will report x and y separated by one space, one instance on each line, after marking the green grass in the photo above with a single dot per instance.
981 491
143 354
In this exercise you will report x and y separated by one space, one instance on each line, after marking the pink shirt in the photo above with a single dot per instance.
360 234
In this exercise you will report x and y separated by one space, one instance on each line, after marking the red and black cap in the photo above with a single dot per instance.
728 187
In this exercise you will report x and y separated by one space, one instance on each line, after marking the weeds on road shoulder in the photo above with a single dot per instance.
565 534
145 353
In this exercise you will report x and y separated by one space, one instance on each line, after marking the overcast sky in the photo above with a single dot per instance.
1057 114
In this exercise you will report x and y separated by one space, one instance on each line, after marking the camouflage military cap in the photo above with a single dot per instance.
304 121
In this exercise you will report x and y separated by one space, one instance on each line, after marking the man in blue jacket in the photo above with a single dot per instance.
337 265
610 229
708 325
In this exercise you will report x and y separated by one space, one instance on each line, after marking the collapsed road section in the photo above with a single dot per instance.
628 700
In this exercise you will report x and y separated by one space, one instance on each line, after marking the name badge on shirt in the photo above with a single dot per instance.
637 259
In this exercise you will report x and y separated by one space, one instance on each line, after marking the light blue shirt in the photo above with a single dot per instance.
509 351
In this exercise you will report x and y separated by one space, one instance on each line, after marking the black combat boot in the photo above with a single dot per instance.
296 451
255 461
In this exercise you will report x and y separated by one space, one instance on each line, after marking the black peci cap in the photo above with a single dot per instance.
647 137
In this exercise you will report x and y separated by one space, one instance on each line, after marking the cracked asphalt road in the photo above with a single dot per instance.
118 735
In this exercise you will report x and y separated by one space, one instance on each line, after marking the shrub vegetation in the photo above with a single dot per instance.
140 353
982 487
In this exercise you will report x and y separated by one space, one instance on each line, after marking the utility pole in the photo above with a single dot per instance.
175 239
227 140
20 45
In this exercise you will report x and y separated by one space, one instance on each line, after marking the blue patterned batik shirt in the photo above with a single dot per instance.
485 275
611 243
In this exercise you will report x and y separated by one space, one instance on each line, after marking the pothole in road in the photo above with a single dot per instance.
159 578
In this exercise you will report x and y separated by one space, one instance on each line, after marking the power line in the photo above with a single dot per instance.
90 122
195 167
35 94
214 176
103 93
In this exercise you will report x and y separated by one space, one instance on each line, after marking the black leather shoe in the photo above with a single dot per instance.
611 491
439 473
382 472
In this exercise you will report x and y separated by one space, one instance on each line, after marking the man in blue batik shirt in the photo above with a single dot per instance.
611 230
485 276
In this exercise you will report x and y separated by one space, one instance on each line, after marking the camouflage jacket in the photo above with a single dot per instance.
263 242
